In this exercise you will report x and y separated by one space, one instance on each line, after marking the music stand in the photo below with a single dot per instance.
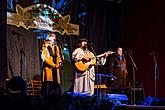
100 80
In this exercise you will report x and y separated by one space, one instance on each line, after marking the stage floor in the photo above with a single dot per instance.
139 107
68 102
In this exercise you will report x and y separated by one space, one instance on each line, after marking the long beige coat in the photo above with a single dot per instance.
84 81
49 64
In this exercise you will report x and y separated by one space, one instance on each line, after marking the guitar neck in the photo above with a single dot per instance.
104 54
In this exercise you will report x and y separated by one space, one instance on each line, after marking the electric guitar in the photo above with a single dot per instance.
83 65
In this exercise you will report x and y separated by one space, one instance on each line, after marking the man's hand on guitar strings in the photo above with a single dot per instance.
86 59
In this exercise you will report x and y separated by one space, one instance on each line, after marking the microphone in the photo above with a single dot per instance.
152 53
125 52
90 43
128 52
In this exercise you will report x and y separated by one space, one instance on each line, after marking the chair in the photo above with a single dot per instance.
29 89
36 87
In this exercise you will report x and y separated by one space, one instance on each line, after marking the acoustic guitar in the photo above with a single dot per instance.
84 65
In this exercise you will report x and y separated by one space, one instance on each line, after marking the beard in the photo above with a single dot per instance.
85 47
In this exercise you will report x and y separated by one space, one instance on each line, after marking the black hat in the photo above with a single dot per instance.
82 39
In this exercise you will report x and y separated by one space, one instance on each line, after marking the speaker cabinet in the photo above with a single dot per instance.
119 98
152 101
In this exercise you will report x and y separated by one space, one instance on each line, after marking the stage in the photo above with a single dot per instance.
69 101
139 107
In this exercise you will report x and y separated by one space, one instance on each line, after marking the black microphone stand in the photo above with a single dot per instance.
134 79
22 53
156 74
21 61
98 80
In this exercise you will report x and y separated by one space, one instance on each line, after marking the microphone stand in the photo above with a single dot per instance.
21 61
155 74
22 53
134 68
97 77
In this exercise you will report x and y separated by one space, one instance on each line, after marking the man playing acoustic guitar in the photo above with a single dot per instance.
85 62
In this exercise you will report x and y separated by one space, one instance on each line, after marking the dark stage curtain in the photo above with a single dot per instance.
135 25
102 25
144 35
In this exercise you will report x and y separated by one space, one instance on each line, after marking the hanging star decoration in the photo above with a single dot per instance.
43 17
